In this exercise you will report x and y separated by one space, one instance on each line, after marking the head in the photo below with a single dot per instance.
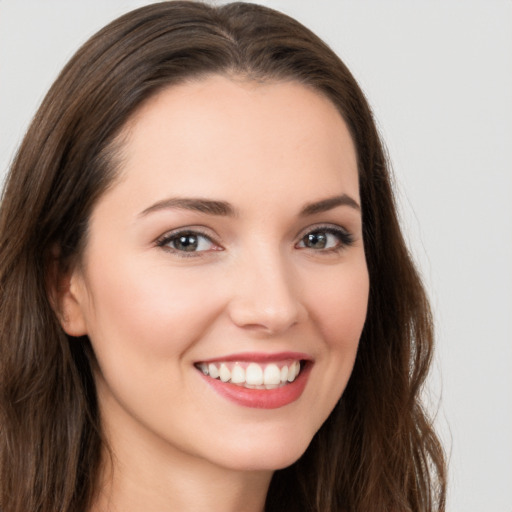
72 158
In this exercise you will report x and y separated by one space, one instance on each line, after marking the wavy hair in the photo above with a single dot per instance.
377 451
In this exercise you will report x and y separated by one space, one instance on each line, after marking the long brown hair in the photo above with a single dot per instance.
377 451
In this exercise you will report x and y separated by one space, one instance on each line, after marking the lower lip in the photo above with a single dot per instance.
262 398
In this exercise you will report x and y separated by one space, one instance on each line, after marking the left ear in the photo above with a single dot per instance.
67 294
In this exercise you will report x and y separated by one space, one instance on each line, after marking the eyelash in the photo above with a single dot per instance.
344 237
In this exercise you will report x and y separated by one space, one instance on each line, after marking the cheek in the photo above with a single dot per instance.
142 322
148 308
337 300
339 303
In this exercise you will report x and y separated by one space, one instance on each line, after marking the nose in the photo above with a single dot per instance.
266 295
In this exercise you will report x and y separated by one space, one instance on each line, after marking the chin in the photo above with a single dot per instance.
278 453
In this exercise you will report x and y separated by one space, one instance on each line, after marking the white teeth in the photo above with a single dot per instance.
237 375
224 373
213 371
254 376
271 375
293 371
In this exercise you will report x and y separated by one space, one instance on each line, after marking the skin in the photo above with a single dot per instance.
269 150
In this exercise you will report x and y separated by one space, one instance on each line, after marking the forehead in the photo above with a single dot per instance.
271 139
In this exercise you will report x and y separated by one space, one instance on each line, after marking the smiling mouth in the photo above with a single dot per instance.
252 375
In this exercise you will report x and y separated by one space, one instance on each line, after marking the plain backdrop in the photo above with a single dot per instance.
439 77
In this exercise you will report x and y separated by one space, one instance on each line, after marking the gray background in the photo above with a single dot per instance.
439 77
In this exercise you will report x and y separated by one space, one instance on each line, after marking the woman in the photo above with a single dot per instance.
207 302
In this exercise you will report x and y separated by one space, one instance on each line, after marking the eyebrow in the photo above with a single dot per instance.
224 209
328 204
207 206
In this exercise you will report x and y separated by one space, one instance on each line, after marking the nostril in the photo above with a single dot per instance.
257 318
266 297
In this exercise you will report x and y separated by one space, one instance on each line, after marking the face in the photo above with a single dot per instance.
224 285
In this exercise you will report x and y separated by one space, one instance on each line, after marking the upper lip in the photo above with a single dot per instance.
260 357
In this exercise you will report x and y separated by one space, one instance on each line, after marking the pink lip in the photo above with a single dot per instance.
256 357
261 398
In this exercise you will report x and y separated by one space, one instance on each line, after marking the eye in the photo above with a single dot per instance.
187 242
326 239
